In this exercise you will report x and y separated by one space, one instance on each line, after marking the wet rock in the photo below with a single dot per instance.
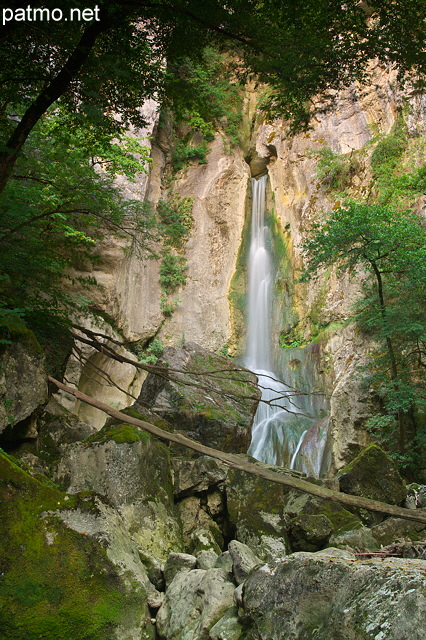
178 562
217 410
243 560
372 474
194 602
314 596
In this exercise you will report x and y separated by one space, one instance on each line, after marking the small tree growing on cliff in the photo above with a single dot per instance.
391 247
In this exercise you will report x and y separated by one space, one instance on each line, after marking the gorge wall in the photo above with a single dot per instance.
314 345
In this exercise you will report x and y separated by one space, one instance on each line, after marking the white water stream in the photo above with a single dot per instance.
280 428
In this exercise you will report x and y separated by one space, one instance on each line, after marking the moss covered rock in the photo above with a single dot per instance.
58 584
255 510
309 596
372 474
207 397
312 520
132 471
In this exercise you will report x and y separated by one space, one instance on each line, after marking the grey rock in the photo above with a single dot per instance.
334 552
314 596
397 529
229 627
362 539
224 561
207 559
194 602
194 476
372 474
200 531
178 562
243 560
23 386
416 496
255 509
204 540
238 595
135 477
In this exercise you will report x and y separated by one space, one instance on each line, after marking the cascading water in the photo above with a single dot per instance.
283 433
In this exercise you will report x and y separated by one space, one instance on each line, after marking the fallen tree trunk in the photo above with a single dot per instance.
234 461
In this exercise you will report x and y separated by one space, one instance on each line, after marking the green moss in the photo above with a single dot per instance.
57 584
119 433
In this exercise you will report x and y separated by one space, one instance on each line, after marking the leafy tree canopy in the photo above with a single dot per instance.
110 65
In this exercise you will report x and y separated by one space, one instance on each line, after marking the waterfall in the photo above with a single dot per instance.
281 429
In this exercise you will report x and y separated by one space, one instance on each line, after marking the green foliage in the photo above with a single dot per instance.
175 220
174 226
335 171
172 271
213 102
151 353
183 153
391 247
60 202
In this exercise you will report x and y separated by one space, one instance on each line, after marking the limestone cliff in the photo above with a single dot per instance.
310 319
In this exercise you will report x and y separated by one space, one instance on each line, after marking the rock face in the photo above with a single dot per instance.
372 474
57 579
194 602
132 471
23 382
214 403
309 596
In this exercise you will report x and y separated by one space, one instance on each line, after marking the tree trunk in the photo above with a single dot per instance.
402 436
235 462
47 97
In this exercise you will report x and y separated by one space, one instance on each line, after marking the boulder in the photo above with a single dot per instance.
178 562
308 596
372 474
23 385
213 401
255 510
243 560
132 471
195 601
229 627
57 426
312 520
59 575
207 559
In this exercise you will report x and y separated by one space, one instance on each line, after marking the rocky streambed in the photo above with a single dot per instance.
113 534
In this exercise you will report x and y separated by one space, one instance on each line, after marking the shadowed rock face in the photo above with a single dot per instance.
310 596
213 401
